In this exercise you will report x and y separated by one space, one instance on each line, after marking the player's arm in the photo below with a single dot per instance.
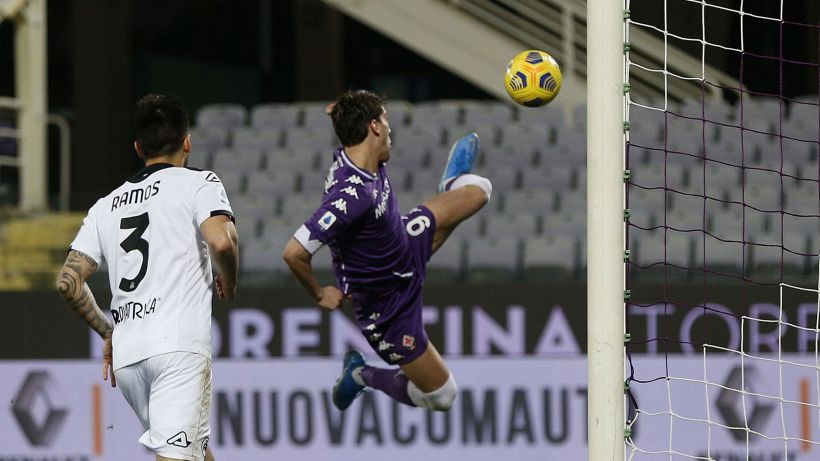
72 286
298 260
223 242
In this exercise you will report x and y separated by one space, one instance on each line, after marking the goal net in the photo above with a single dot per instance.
723 229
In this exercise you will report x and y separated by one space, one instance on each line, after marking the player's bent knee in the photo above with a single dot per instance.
474 180
439 400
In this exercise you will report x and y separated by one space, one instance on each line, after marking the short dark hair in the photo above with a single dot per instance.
162 123
352 114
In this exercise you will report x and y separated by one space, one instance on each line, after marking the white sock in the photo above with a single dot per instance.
357 376
470 179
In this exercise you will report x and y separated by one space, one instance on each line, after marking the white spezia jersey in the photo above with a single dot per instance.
147 231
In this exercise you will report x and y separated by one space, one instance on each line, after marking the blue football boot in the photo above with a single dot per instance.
460 161
346 388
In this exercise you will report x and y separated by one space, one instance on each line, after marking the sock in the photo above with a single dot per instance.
390 381
470 179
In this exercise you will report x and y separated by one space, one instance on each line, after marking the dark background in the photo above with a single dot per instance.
104 54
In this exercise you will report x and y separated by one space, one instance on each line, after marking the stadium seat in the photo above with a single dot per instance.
411 199
420 136
262 254
521 157
308 139
254 207
410 157
721 256
668 175
435 114
247 228
298 207
495 113
282 116
239 160
503 177
420 181
398 112
322 260
492 258
550 255
209 138
557 177
289 161
233 181
314 114
449 256
564 224
573 201
514 226
312 182
221 115
256 138
270 183
200 159
488 134
521 136
657 247
279 228
531 201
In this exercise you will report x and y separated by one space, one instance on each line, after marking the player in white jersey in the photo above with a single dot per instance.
158 234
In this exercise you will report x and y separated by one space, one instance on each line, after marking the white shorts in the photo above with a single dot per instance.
171 395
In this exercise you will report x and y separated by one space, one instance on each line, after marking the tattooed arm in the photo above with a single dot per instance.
71 285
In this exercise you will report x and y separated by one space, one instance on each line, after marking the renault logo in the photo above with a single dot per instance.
730 404
39 425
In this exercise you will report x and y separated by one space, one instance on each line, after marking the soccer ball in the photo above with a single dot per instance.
533 78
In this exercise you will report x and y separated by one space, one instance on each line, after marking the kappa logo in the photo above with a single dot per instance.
180 440
408 342
375 337
340 205
354 179
384 345
351 191
327 220
395 357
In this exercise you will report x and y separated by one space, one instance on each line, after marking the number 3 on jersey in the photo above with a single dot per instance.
134 241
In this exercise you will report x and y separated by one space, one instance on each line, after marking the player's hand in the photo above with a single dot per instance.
224 291
331 298
108 360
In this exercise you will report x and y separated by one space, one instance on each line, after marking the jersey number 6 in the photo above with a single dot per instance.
134 241
417 225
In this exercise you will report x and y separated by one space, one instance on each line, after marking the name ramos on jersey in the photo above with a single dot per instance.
133 196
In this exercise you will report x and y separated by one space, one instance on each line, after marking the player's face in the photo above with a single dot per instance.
383 120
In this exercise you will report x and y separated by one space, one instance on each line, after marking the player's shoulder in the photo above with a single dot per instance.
197 174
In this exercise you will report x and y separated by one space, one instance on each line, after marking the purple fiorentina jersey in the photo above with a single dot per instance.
360 222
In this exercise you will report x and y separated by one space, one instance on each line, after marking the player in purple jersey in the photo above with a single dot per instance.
380 257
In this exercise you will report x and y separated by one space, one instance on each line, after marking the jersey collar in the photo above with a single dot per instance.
350 163
148 171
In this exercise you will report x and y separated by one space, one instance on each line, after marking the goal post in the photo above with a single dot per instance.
30 103
605 229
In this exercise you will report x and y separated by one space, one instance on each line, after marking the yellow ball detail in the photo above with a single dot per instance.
533 78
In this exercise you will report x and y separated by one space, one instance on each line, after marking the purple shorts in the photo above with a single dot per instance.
391 319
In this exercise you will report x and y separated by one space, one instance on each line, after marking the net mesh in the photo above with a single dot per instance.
723 230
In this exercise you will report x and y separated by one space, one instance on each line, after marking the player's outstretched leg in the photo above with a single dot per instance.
349 385
460 161
357 375
462 193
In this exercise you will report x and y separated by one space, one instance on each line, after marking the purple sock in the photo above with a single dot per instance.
390 381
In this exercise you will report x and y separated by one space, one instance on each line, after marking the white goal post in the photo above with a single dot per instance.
605 229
